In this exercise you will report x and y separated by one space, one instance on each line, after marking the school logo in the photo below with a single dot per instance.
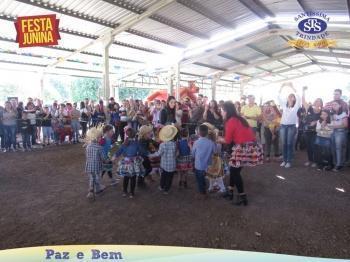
37 30
312 31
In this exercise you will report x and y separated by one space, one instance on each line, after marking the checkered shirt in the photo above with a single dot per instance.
167 153
94 158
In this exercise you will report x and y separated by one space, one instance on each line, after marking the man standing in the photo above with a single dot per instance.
337 98
196 115
252 113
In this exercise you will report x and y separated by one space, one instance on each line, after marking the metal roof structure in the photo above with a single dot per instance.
232 40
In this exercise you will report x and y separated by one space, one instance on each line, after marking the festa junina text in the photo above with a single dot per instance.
37 30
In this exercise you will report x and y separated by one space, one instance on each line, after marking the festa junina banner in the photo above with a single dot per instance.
39 30
108 253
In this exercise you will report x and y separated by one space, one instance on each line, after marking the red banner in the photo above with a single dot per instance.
39 30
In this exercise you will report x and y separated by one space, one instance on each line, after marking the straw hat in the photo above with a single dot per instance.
94 134
144 130
167 133
212 130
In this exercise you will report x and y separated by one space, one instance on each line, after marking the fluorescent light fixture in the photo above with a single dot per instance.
224 38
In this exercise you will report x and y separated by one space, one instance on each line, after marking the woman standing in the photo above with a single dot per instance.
212 114
313 114
271 121
339 137
245 150
288 124
84 118
168 114
178 114
10 127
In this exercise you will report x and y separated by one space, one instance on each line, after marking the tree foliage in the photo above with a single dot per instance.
8 90
82 88
133 92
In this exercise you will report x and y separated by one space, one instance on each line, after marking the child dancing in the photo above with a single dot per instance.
106 143
167 153
94 161
184 159
130 165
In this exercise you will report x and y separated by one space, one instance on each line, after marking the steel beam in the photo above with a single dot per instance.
197 7
89 36
158 18
256 7
73 50
210 66
68 12
348 5
127 24
303 5
258 63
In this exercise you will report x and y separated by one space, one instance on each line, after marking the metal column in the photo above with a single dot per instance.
213 86
177 83
108 90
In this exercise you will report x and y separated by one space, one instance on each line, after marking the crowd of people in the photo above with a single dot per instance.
207 138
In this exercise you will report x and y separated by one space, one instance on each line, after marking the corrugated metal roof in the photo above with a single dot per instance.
244 53
189 18
95 8
278 7
273 65
296 59
218 61
230 10
272 44
163 31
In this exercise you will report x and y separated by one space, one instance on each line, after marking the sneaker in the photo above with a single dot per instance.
160 188
131 196
313 165
124 194
337 168
90 195
113 182
307 164
282 164
288 165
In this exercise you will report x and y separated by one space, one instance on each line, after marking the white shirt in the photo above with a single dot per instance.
338 119
290 114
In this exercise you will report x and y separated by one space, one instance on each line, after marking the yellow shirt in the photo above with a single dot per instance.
251 111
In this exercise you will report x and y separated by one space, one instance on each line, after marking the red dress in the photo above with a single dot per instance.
245 151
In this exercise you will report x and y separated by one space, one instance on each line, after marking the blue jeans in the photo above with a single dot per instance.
10 136
322 154
339 143
288 133
75 127
47 132
26 140
2 136
200 177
